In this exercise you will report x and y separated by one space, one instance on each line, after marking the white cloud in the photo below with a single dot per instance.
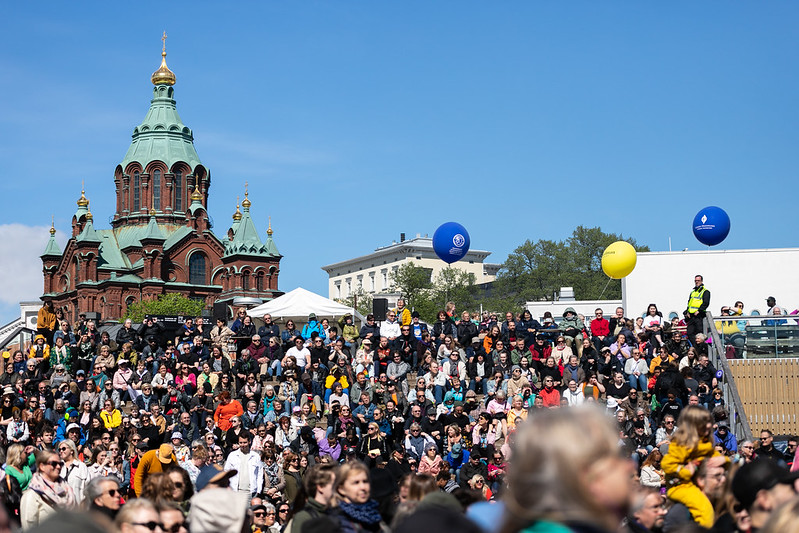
21 267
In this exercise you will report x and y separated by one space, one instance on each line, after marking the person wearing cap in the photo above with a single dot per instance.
726 438
761 487
312 326
181 450
214 476
152 462
122 378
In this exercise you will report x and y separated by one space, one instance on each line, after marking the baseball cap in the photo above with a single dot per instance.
165 453
760 474
213 474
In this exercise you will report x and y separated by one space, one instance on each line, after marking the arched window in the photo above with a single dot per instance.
245 281
157 190
197 269
259 281
178 191
136 192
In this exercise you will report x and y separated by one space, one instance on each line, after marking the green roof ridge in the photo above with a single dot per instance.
153 231
88 234
162 136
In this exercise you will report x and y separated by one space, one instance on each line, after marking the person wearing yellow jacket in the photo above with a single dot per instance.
691 443
40 351
403 313
110 415
46 321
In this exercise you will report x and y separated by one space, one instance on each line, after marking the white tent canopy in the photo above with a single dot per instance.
298 304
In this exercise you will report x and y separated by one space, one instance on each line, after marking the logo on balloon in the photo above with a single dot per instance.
711 225
451 242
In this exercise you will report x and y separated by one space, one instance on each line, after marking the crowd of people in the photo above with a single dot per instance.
245 425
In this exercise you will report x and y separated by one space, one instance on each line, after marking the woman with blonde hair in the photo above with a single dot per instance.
47 492
478 483
586 482
352 492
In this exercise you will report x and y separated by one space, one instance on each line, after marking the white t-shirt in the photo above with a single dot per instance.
302 356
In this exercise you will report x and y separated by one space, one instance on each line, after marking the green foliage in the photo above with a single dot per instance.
166 304
429 297
412 282
537 270
364 301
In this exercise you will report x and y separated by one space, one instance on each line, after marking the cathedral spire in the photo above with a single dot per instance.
163 76
237 214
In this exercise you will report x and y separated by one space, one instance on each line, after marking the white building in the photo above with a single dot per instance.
666 279
372 272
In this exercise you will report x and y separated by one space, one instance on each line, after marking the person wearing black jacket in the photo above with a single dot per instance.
444 326
127 334
370 330
480 371
269 329
406 345
618 323
670 379
467 329
150 329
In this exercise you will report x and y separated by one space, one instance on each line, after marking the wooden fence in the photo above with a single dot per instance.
769 390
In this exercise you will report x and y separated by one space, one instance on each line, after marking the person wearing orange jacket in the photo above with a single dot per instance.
227 409
153 462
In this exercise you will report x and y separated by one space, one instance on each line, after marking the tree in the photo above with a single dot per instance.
361 297
537 270
454 285
170 304
411 282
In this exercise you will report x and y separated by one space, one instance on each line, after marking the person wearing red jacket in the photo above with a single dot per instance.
549 394
600 331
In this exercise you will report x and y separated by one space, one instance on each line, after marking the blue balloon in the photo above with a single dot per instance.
451 242
719 374
711 225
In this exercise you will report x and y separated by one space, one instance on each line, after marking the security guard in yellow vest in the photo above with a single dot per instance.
698 302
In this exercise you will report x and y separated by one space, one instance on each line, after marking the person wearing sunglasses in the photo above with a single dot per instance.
104 496
139 516
46 492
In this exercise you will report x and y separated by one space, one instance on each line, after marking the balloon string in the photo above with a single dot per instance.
606 286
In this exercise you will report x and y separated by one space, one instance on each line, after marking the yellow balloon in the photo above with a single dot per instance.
619 259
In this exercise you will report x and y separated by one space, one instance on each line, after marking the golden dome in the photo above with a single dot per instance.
89 216
163 76
197 195
269 229
152 212
52 227
246 203
237 214
83 201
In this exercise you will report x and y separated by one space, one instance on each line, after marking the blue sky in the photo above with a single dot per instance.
355 121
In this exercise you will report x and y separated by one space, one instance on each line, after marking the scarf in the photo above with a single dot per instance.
273 474
365 513
58 494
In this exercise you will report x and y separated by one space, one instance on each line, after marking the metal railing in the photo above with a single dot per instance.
758 336
737 419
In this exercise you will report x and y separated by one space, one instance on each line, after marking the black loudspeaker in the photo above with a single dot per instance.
380 308
220 312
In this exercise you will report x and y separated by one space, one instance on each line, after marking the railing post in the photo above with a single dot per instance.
737 413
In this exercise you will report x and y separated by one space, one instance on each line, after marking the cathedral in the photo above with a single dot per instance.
160 240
